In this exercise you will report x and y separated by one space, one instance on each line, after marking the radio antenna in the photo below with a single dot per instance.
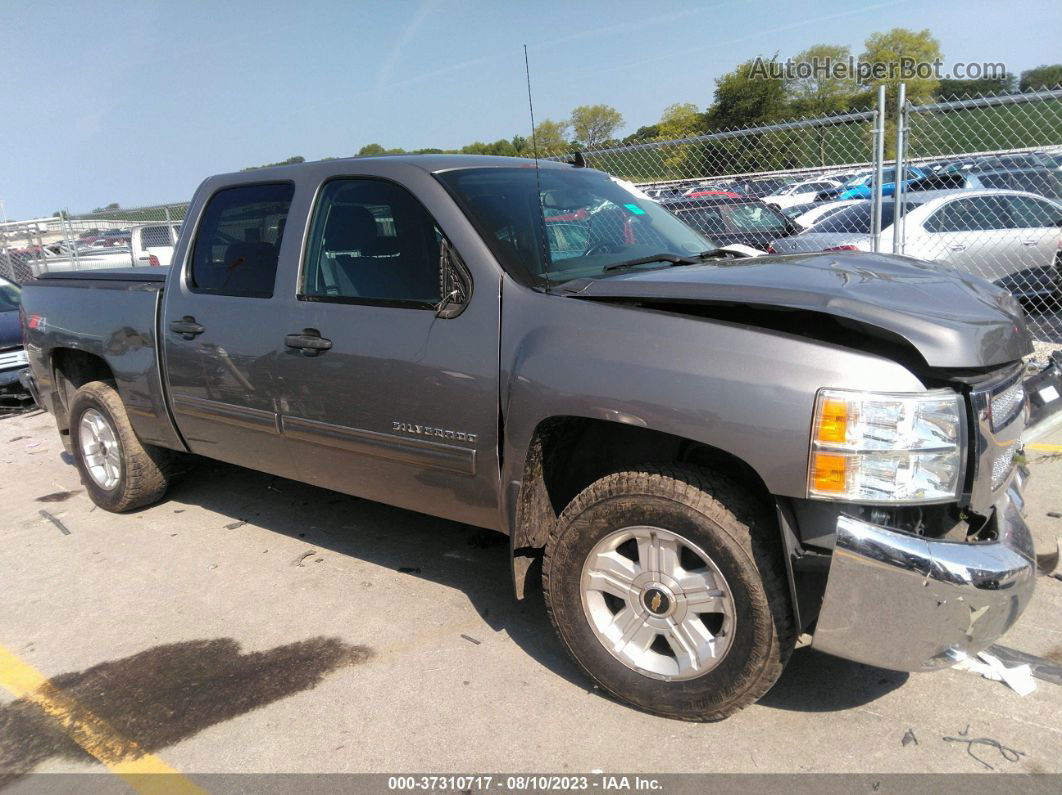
538 180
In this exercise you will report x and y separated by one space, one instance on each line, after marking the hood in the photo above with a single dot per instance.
953 319
10 330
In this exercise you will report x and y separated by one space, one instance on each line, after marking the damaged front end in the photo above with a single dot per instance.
917 597
910 603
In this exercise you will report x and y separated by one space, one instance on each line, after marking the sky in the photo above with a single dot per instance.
138 102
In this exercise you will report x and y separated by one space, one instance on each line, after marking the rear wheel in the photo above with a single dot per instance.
119 472
668 588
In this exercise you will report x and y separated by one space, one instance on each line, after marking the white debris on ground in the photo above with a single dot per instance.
989 666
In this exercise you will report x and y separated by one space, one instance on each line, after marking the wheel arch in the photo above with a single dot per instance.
568 453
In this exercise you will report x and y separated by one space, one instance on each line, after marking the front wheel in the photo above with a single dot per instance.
119 472
668 588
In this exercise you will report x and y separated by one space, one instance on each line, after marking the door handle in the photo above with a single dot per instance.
309 341
1029 242
186 327
958 247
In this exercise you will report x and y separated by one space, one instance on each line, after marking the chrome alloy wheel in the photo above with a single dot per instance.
658 603
100 449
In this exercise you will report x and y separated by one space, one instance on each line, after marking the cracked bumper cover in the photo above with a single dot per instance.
909 603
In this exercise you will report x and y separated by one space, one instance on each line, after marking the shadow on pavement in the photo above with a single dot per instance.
816 682
159 697
475 562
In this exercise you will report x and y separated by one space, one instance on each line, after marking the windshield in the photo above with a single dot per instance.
559 224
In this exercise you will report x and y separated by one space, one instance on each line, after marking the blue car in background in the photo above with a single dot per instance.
859 187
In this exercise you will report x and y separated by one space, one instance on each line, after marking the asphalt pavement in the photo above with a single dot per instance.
250 623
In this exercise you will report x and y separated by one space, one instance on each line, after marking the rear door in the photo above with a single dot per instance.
380 396
223 327
974 233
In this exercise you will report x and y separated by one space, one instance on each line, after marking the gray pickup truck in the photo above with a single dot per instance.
699 457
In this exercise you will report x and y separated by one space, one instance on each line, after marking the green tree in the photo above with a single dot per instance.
748 96
593 125
551 138
680 120
893 50
1041 77
371 150
107 208
824 91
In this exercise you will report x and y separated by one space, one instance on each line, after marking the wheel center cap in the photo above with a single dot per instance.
656 601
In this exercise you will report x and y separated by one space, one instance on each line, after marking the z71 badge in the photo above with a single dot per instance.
431 430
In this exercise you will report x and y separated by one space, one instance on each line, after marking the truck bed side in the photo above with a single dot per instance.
100 324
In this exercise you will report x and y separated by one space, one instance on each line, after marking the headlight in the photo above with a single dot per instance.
886 448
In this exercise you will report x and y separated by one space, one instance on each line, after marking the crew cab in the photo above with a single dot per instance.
697 457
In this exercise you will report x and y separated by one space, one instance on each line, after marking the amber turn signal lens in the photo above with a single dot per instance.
829 472
832 424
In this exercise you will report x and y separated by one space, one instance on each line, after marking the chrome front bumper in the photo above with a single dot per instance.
909 603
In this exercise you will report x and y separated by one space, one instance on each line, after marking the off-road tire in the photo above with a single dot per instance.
144 468
737 531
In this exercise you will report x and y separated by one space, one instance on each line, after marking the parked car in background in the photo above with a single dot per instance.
666 192
734 221
59 257
1043 181
953 180
12 355
1009 237
819 211
700 194
801 192
1009 162
761 187
865 186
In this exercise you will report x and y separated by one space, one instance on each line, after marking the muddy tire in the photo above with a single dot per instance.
118 471
667 585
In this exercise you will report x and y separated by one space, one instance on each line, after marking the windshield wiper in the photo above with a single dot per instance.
666 256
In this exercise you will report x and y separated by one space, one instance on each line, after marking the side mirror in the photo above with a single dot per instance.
455 282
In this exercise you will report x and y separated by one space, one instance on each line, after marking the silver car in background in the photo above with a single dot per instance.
1009 237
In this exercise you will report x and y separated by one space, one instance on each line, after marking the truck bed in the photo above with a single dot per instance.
110 314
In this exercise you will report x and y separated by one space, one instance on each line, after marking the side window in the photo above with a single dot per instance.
1029 213
969 215
371 242
238 241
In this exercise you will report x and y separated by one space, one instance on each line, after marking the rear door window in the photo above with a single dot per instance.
154 236
238 242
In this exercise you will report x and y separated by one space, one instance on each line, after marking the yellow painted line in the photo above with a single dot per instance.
144 772
1047 448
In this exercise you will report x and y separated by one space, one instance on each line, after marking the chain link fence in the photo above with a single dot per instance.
980 191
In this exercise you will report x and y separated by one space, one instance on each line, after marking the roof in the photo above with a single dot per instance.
429 163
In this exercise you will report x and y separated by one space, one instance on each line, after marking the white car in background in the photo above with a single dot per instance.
801 192
153 243
1009 237
151 246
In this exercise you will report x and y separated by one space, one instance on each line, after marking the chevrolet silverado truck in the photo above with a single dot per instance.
697 457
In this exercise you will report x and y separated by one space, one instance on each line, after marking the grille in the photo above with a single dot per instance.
1006 404
13 358
1002 464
